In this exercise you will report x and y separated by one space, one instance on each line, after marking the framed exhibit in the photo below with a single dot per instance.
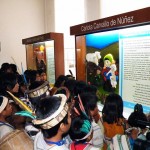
46 52
113 54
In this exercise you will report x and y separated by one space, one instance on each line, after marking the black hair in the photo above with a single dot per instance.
30 75
33 74
40 71
48 133
78 89
89 101
4 67
113 108
90 89
27 75
46 108
60 81
137 115
35 84
70 84
138 108
80 127
13 68
8 82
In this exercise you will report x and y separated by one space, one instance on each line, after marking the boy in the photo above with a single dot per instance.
54 121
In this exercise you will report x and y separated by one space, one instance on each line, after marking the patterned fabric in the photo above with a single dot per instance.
98 136
54 121
120 142
38 91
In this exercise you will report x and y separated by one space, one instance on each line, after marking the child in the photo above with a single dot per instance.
54 120
137 127
81 133
17 121
89 101
5 111
113 120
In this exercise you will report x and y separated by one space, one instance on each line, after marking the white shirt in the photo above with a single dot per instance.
5 128
98 136
40 144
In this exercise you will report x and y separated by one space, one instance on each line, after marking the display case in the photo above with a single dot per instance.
113 54
46 52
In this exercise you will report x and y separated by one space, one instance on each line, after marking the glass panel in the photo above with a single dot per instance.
40 56
70 66
50 59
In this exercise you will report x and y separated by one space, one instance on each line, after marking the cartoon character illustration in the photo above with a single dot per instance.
109 73
93 57
113 77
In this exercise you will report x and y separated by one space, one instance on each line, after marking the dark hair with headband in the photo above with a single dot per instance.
80 129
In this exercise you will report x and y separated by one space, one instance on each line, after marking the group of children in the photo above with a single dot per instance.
67 116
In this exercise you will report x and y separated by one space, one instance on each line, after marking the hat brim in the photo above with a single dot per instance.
55 118
4 103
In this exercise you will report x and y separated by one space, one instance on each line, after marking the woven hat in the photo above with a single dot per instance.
39 90
3 102
56 117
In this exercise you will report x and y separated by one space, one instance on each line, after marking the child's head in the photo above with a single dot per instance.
16 121
53 116
10 83
43 75
5 107
90 89
137 116
78 89
113 108
81 129
89 101
70 85
60 81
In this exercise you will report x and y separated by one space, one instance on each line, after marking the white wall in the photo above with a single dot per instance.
19 19
49 16
68 13
115 7
92 11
